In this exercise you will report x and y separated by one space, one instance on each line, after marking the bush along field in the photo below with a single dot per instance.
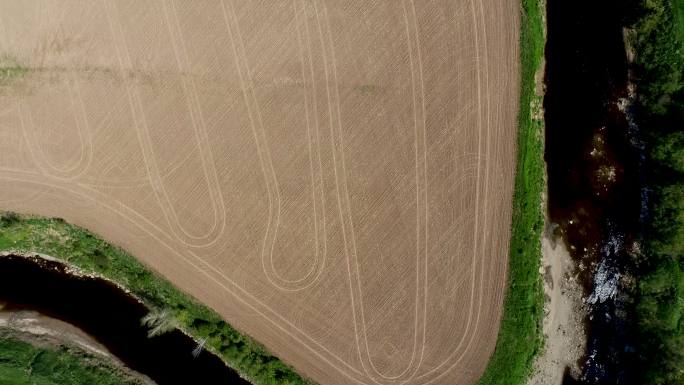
658 42
91 254
520 334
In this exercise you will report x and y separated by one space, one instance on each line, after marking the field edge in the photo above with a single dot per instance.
520 336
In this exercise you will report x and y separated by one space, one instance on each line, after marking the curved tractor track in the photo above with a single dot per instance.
333 177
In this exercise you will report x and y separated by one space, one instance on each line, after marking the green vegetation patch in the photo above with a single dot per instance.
520 335
22 363
92 254
659 45
10 70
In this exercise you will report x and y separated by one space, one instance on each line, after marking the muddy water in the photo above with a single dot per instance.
112 317
593 172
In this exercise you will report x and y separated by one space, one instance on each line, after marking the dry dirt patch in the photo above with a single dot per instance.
333 177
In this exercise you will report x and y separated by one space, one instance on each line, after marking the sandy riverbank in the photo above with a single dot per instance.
564 313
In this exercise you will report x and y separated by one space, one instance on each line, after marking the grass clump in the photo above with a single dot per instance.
159 322
520 335
92 254
8 218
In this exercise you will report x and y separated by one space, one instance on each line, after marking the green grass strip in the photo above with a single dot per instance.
520 335
92 254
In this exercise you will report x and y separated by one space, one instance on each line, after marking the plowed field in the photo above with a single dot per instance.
334 177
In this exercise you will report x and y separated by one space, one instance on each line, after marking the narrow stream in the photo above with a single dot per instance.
593 172
112 317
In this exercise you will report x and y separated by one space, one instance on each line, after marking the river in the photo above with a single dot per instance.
593 163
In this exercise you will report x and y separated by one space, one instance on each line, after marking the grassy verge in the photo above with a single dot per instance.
22 363
659 68
520 336
90 253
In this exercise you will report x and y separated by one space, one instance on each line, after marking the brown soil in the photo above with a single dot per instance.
333 177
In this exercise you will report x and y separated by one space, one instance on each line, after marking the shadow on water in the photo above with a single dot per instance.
112 317
593 171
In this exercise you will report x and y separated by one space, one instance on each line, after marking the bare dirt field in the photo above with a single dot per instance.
333 177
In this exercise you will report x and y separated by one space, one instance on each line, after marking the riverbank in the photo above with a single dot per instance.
564 315
520 334
52 330
90 254
30 359
43 333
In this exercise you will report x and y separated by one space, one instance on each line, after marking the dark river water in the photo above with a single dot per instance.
112 317
593 161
